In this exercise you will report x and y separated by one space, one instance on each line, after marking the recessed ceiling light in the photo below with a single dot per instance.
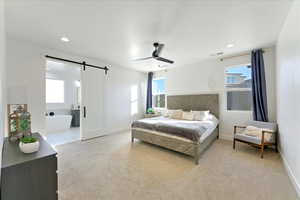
230 45
64 39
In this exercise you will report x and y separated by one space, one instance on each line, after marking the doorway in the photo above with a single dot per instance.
63 100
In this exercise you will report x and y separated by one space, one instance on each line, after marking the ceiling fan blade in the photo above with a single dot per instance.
140 59
164 60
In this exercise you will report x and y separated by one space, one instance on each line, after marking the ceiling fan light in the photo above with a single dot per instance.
65 39
230 45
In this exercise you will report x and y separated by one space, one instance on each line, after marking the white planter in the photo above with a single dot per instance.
29 147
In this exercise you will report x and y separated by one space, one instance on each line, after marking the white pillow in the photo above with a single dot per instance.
212 118
163 112
168 113
187 116
176 114
201 115
253 131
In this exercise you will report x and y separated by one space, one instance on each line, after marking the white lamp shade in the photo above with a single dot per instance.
17 95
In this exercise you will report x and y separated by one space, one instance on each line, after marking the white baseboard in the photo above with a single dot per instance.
118 130
291 174
226 137
105 133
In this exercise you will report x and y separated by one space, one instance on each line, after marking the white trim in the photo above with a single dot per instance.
238 89
226 137
118 130
106 133
175 93
290 173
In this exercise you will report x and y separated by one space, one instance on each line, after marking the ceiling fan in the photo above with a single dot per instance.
156 54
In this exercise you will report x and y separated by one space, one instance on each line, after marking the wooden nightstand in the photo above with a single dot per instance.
151 115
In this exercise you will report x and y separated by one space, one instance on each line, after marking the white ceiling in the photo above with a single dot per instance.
118 31
65 70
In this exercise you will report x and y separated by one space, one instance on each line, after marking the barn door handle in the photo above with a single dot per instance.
84 111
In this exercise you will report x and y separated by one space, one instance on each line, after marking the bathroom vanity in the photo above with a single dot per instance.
75 118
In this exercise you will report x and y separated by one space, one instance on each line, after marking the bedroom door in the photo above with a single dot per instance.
92 103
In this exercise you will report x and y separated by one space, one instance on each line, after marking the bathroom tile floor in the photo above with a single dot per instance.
63 137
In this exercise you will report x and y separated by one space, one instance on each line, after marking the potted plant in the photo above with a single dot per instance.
29 144
150 111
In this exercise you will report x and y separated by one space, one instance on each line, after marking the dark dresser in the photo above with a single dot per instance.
75 118
29 176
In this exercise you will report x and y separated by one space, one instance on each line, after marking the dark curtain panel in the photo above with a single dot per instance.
149 91
259 91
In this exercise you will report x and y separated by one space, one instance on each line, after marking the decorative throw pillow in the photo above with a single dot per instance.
201 115
168 113
187 116
176 114
163 112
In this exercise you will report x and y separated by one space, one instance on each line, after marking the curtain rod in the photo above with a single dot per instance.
84 64
242 54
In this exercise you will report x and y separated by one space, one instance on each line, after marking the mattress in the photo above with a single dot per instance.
196 131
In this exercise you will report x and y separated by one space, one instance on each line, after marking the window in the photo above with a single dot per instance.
78 92
158 93
238 88
55 91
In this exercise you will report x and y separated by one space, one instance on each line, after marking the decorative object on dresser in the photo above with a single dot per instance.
257 133
29 144
19 121
29 176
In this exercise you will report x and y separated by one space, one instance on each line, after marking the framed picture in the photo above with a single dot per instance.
19 121
13 107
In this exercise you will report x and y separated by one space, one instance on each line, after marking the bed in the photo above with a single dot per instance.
181 136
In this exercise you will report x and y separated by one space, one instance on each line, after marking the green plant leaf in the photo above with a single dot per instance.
28 139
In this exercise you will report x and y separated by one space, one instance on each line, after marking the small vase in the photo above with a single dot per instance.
29 147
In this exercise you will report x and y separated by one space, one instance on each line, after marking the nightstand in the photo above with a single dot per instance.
151 115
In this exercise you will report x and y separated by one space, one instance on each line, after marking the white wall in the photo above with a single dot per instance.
118 97
208 77
288 90
2 76
26 66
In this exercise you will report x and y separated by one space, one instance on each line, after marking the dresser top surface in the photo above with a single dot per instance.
12 155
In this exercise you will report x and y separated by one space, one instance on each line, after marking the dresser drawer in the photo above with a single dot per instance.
35 180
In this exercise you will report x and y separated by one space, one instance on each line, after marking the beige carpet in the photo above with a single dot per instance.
110 168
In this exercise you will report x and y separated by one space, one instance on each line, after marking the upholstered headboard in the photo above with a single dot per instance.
195 102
